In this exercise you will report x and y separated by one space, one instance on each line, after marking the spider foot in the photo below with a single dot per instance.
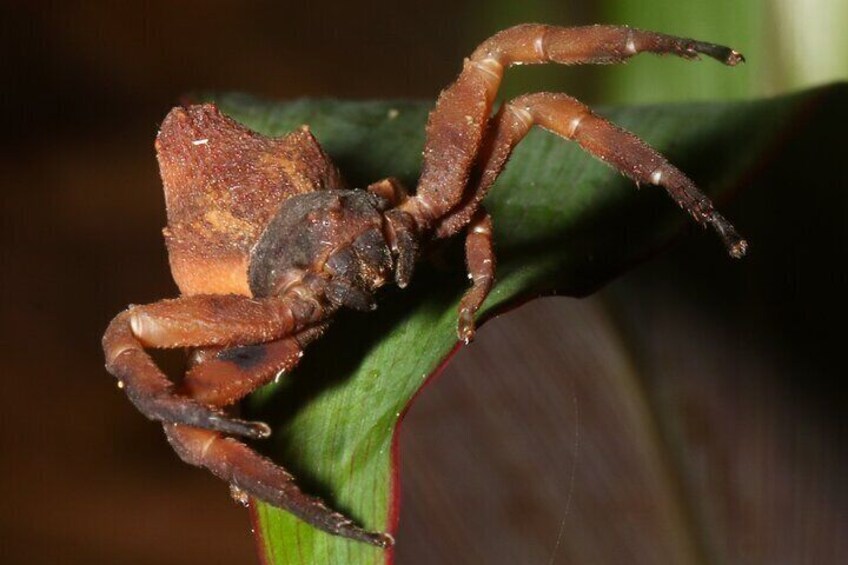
737 247
726 55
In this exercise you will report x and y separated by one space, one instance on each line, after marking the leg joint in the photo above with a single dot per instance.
491 69
630 43
521 114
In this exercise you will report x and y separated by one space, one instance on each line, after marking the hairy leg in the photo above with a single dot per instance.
456 127
246 470
631 156
195 321
530 44
480 257
154 394
221 320
221 378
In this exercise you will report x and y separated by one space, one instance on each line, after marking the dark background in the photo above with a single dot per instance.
754 379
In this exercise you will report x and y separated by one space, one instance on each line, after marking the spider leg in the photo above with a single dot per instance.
530 44
246 470
221 378
195 321
457 126
212 319
153 393
571 119
480 258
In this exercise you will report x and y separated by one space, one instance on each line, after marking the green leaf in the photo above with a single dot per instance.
564 224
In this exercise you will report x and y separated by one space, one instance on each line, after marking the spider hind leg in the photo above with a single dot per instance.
572 120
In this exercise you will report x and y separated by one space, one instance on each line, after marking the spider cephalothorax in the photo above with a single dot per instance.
266 243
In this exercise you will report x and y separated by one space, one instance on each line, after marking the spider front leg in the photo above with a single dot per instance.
196 321
220 378
154 394
457 127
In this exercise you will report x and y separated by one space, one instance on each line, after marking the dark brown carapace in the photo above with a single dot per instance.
266 243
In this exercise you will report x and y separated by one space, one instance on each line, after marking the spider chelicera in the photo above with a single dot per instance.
266 243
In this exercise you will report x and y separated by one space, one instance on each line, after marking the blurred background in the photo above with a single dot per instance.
714 385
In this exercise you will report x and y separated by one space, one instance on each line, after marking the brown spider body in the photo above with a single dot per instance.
266 242
336 233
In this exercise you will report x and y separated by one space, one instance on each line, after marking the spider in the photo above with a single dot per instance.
266 243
